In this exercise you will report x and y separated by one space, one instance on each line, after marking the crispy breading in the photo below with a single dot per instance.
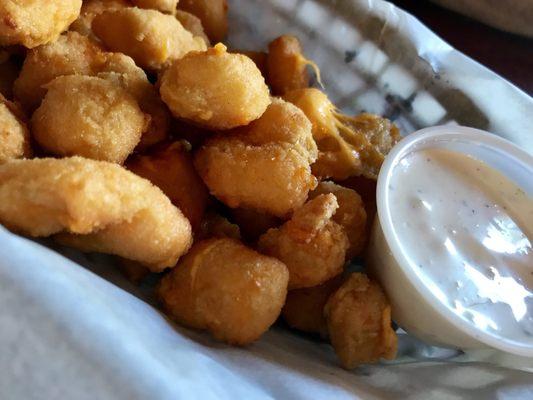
151 38
193 24
304 308
227 289
171 169
93 206
36 22
215 89
89 10
286 65
71 54
14 134
75 54
311 244
351 215
90 117
359 322
264 166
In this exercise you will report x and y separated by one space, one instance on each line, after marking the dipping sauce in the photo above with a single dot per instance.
467 231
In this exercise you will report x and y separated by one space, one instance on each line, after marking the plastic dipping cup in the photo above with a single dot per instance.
454 260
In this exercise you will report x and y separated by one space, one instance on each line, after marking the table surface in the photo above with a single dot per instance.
511 56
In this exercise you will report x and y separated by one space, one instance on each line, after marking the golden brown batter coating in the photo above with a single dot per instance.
304 308
264 166
93 206
193 24
351 215
89 117
359 322
89 10
151 38
258 57
366 188
71 54
215 89
171 169
35 22
227 289
311 244
122 70
14 135
286 65
75 54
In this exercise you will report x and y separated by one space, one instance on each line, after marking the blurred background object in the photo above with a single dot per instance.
514 16
508 54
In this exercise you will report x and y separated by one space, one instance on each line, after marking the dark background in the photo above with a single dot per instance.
511 56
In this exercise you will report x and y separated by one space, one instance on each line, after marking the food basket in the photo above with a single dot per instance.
76 333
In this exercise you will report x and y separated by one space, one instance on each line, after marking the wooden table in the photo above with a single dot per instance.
509 55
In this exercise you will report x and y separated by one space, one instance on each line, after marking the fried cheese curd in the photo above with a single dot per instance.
215 89
90 117
36 22
358 315
94 206
226 288
304 308
348 146
14 135
89 10
351 215
75 54
71 54
193 24
264 166
311 244
287 66
165 6
171 168
212 13
151 38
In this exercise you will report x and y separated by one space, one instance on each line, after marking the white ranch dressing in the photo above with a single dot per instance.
467 231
